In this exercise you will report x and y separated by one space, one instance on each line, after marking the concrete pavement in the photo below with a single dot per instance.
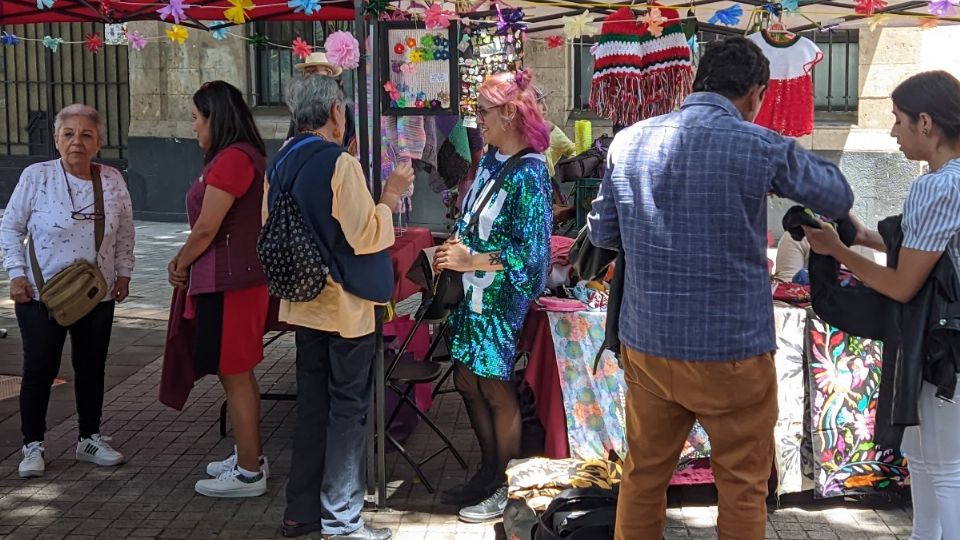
152 496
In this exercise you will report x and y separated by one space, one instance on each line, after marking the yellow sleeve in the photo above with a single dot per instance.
265 207
368 227
561 143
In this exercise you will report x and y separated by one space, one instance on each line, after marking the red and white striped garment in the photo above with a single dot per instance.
788 104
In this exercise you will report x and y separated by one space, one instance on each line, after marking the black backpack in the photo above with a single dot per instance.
287 246
579 514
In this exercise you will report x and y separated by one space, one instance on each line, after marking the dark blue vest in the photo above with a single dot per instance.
309 168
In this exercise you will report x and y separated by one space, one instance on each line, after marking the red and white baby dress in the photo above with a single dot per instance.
788 104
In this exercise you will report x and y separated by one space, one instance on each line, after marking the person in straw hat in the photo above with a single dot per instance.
317 64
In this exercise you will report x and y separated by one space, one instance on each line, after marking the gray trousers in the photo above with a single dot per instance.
333 392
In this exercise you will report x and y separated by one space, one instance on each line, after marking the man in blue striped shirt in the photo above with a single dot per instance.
685 198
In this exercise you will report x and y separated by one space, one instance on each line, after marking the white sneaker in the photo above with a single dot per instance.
233 484
216 468
32 464
96 450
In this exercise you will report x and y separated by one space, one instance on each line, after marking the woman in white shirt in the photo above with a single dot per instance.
53 204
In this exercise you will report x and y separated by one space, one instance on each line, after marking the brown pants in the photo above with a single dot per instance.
736 402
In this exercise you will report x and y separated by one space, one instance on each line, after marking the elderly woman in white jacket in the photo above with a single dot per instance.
53 204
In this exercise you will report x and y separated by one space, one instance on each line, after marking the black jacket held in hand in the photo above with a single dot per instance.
921 338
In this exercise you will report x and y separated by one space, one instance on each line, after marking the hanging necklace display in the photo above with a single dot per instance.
487 47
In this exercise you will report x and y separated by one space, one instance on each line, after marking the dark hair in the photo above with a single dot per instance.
936 93
230 119
731 67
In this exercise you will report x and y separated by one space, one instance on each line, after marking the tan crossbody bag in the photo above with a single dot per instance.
77 289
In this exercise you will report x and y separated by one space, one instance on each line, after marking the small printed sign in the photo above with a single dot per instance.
439 77
115 34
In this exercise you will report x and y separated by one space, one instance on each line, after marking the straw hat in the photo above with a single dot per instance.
319 59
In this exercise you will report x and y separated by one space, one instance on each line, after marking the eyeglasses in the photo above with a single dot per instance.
82 215
484 111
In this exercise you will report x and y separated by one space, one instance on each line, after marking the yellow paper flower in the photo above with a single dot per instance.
654 21
579 25
238 13
878 20
177 33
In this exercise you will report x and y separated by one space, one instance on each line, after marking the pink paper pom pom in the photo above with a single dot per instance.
343 50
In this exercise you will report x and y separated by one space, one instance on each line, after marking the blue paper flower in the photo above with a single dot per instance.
52 43
773 9
305 6
694 46
219 31
9 39
790 6
45 4
728 17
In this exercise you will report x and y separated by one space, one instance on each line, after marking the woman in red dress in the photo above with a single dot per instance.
225 285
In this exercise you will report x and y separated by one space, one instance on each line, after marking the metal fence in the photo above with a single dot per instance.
273 66
35 83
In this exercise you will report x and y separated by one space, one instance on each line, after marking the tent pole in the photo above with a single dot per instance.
379 374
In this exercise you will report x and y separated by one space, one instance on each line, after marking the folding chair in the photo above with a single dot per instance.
404 373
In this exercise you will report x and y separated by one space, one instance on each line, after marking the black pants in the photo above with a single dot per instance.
330 440
43 341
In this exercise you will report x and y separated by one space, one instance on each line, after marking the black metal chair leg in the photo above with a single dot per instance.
436 429
413 464
438 388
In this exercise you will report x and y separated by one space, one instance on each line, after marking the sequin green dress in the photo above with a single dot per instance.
517 222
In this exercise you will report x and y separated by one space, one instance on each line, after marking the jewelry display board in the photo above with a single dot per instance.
485 50
420 70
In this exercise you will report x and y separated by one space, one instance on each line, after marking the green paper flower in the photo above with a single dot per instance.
427 41
258 40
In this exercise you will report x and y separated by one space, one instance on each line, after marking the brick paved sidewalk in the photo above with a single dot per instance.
152 496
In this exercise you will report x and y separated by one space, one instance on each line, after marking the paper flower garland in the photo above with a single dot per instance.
509 20
136 40
437 17
258 40
579 26
790 6
869 7
178 34
654 22
555 42
173 10
308 7
729 16
9 40
927 23
376 7
93 43
219 31
343 50
238 13
301 49
943 8
52 43
45 4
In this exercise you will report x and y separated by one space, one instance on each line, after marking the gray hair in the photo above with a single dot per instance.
310 98
79 109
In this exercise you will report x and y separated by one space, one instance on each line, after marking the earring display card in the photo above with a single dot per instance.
485 51
420 72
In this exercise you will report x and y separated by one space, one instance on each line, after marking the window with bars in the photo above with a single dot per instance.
273 66
835 79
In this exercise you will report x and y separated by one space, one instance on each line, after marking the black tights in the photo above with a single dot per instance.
494 410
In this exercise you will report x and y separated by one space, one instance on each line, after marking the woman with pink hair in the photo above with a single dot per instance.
502 245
